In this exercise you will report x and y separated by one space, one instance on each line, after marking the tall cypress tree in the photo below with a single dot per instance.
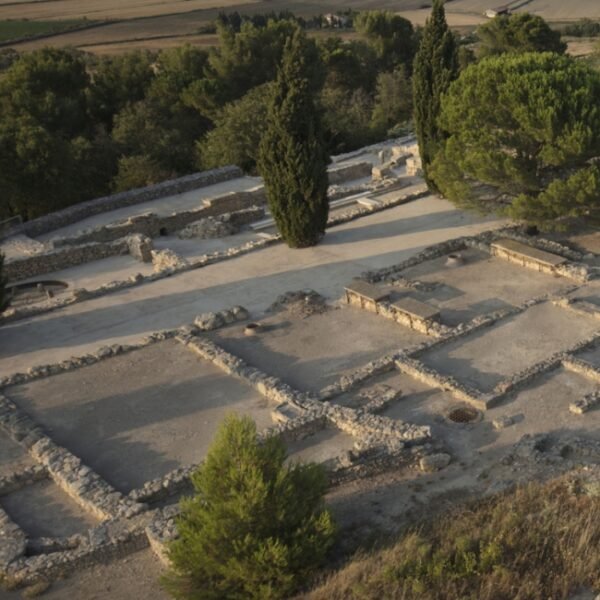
435 67
292 155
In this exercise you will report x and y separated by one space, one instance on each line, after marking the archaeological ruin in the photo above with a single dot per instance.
416 342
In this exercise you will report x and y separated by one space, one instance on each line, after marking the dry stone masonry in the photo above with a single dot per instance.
125 523
129 522
83 210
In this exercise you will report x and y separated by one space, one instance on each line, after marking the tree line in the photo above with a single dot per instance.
515 133
74 126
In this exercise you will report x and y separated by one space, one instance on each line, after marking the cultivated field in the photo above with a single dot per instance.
155 24
107 9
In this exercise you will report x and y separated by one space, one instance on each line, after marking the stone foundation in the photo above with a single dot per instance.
223 225
152 225
82 210
57 260
341 174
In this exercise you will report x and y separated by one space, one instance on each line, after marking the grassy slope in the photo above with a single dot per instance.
539 542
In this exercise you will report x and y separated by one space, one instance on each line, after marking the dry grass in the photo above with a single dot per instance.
540 542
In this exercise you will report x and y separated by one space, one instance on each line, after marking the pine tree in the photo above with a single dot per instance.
292 156
4 300
435 67
256 527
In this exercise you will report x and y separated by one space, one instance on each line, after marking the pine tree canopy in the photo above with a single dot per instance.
256 527
524 138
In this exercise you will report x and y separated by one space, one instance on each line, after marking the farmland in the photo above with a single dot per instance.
18 29
154 24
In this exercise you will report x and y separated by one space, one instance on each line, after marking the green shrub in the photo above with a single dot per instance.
255 528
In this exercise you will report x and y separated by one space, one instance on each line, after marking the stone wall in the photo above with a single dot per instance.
153 225
75 213
79 295
222 225
427 326
343 173
56 260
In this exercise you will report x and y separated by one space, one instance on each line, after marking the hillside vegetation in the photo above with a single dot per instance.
538 542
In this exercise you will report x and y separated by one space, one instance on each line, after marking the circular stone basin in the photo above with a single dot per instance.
454 260
463 414
37 286
252 329
34 291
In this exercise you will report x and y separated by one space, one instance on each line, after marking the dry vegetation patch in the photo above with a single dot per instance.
540 541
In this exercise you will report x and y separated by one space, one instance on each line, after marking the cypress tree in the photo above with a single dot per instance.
435 67
4 300
292 155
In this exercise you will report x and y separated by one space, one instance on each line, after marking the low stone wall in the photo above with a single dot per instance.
77 480
57 260
19 479
270 387
571 268
82 294
582 367
341 174
298 428
15 314
104 352
13 541
419 371
585 404
370 430
153 225
429 253
358 376
80 211
223 225
129 523
581 307
429 327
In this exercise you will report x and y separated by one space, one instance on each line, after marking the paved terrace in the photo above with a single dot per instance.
253 280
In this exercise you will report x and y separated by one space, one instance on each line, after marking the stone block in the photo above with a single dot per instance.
416 309
434 462
502 422
526 256
140 247
382 171
414 167
587 403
